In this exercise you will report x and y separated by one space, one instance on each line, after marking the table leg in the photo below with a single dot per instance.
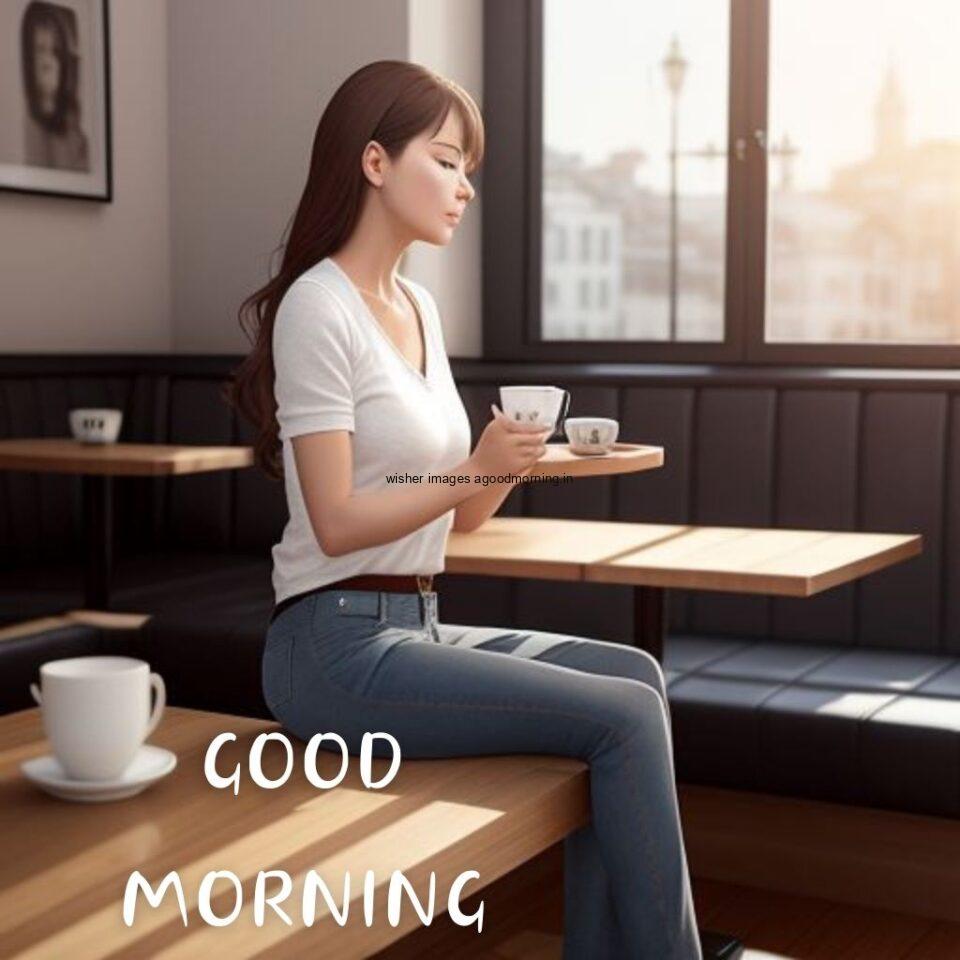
98 536
650 629
650 619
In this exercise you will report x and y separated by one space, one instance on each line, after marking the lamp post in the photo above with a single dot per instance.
674 69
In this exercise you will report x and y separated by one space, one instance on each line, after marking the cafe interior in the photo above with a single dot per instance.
733 229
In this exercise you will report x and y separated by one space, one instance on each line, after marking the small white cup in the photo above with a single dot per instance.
591 434
537 405
96 712
95 424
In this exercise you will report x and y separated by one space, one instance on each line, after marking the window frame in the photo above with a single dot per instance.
512 243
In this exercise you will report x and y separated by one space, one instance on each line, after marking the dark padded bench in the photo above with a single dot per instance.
849 696
860 726
24 647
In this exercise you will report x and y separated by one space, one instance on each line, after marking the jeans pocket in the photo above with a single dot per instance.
277 673
333 609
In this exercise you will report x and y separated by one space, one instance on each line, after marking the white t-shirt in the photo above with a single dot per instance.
336 369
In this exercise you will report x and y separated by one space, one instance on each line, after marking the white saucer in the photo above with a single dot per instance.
150 764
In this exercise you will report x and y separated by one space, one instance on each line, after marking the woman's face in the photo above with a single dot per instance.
46 64
426 187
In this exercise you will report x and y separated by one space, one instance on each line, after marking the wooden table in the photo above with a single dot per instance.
98 464
559 461
655 557
65 865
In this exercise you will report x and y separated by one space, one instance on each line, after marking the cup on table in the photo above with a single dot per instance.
95 424
96 712
535 404
591 435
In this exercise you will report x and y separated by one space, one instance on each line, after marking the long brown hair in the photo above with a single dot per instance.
390 101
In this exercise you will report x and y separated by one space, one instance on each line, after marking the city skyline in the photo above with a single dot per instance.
825 112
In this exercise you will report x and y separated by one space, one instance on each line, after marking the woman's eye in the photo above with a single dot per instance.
447 163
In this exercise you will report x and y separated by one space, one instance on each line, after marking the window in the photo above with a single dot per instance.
723 200
585 234
667 206
602 296
852 176
584 293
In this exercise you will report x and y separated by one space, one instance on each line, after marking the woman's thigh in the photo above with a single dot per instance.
574 652
350 669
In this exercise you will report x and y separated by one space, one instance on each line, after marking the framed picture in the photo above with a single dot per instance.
55 98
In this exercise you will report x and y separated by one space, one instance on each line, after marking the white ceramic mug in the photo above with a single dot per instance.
591 434
95 424
534 404
96 712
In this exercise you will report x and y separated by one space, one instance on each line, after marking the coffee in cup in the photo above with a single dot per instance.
96 712
537 405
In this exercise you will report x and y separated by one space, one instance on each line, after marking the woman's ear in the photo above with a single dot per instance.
372 163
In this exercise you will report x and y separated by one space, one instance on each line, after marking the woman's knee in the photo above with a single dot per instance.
638 664
614 659
632 703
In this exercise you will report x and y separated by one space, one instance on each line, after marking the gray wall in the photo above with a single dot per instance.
215 106
248 82
447 36
79 276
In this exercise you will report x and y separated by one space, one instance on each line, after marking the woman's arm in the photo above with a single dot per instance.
480 506
344 521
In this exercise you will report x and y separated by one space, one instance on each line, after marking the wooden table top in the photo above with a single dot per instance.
65 865
792 563
62 455
560 461
537 547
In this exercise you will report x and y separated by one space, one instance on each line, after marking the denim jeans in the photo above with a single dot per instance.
355 660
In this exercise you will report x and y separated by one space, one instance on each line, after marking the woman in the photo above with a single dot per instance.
51 80
348 382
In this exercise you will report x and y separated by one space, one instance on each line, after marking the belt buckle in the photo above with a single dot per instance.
424 583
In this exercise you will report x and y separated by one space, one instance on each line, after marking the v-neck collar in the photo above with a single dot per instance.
368 313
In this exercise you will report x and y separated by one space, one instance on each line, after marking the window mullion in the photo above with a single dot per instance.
755 170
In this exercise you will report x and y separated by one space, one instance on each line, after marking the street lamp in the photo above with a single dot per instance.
674 70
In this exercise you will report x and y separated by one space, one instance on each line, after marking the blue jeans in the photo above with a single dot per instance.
355 660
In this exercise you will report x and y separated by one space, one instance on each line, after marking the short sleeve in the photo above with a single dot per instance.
313 362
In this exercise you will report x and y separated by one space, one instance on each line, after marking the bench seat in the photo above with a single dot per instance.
870 727
145 581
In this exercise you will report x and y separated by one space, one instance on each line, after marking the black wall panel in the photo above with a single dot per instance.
902 491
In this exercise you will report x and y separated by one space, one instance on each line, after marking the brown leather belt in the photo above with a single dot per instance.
386 582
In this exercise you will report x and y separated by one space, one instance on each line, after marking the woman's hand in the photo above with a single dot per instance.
508 446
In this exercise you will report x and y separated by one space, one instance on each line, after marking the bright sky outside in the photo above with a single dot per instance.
604 88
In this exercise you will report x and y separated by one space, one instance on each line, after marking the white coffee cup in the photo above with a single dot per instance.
591 434
534 404
96 712
95 424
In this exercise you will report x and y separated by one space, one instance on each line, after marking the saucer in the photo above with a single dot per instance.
150 764
590 453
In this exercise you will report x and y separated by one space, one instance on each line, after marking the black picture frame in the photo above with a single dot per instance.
60 146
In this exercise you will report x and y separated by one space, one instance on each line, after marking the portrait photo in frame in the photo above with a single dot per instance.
55 98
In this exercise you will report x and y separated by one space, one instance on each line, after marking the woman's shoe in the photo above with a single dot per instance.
719 946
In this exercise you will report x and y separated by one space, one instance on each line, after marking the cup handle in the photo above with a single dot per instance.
35 690
160 689
558 426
